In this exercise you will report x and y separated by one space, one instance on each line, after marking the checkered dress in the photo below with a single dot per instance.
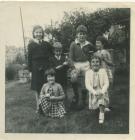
57 109
53 108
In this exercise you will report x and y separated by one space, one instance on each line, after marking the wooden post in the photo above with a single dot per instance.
25 52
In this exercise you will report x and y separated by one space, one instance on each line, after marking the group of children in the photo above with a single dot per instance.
49 73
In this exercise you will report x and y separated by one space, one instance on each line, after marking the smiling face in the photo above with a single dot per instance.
95 64
58 52
38 34
81 37
99 45
50 79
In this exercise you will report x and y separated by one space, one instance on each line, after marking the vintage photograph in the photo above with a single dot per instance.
67 67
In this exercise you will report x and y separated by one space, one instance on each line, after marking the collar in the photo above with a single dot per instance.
82 44
58 57
37 41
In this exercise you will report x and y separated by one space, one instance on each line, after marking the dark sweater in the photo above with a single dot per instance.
61 74
78 54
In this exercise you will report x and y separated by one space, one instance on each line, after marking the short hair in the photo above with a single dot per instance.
95 57
37 27
57 45
50 71
102 39
81 28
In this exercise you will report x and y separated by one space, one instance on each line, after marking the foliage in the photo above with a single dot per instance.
12 71
97 23
19 59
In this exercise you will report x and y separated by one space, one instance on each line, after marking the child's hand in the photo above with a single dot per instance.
94 93
47 96
52 98
58 67
65 63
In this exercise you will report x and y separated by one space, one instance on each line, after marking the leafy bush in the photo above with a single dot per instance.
12 71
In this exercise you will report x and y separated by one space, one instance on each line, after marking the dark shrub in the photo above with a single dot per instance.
12 71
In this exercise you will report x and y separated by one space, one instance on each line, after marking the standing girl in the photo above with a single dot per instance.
97 83
106 60
39 52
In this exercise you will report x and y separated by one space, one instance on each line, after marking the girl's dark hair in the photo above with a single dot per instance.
103 40
50 71
95 57
37 27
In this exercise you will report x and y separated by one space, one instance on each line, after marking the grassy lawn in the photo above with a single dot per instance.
21 117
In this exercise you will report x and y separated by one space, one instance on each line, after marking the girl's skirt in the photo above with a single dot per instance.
96 100
52 108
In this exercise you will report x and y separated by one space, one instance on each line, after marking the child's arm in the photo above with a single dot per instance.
30 57
88 83
59 98
63 65
108 59
71 55
43 92
59 67
106 82
61 95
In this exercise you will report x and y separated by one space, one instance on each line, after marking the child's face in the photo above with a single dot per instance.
38 33
58 52
50 79
99 45
95 64
81 37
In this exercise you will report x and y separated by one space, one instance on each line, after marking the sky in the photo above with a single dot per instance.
37 13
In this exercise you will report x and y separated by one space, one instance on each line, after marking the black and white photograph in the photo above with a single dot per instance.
67 67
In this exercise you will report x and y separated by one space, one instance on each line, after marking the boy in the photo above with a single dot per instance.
60 65
79 53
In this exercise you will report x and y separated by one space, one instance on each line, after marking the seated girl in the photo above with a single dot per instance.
97 83
52 96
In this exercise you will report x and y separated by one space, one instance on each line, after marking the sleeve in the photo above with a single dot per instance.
71 55
93 48
109 58
30 57
42 92
61 90
88 84
106 82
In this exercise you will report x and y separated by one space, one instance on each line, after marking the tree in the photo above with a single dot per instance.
97 23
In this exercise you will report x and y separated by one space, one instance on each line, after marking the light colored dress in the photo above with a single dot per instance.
97 82
52 108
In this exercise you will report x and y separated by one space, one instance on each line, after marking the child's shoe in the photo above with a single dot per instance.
101 118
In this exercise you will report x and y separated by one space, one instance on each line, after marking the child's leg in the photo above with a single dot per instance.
102 108
101 113
76 93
